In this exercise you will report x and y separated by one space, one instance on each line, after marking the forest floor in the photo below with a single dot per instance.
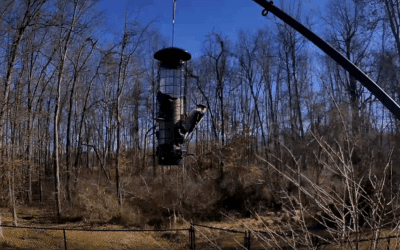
206 238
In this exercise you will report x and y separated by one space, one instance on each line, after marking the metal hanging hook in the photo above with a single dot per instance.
265 11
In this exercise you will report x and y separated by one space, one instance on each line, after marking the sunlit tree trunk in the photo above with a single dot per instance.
78 66
63 56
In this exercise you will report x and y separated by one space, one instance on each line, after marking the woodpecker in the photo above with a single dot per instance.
195 116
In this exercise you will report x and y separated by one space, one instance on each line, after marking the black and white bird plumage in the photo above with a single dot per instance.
195 116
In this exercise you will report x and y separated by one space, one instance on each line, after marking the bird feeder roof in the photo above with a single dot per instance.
172 55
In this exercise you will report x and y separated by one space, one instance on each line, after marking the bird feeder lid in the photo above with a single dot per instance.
172 55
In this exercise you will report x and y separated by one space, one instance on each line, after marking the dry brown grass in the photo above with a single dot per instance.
48 239
52 239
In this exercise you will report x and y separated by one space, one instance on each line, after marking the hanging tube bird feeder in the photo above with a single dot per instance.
171 116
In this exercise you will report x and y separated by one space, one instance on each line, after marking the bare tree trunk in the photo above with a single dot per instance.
121 79
56 156
40 161
1 230
85 108
58 108
29 152
220 71
77 72
392 8
12 163
297 95
11 183
289 86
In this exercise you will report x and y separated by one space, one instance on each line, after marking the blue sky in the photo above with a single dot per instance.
197 18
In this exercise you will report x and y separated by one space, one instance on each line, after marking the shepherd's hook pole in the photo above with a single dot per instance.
353 70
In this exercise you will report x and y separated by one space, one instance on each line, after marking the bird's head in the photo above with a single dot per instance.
202 107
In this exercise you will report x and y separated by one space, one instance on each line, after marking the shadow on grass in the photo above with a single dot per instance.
6 246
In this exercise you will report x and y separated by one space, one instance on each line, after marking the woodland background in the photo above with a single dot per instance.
287 128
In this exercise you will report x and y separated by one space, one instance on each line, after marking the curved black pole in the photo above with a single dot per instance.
367 82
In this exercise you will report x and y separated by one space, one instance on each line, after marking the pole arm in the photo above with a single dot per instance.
367 82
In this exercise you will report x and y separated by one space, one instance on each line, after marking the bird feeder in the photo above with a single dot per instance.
171 105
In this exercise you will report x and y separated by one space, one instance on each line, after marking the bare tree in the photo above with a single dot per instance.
80 62
217 52
392 10
70 23
345 211
349 34
130 45
291 51
251 72
30 11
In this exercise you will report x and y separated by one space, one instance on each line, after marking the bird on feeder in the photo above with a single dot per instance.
195 116
165 102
